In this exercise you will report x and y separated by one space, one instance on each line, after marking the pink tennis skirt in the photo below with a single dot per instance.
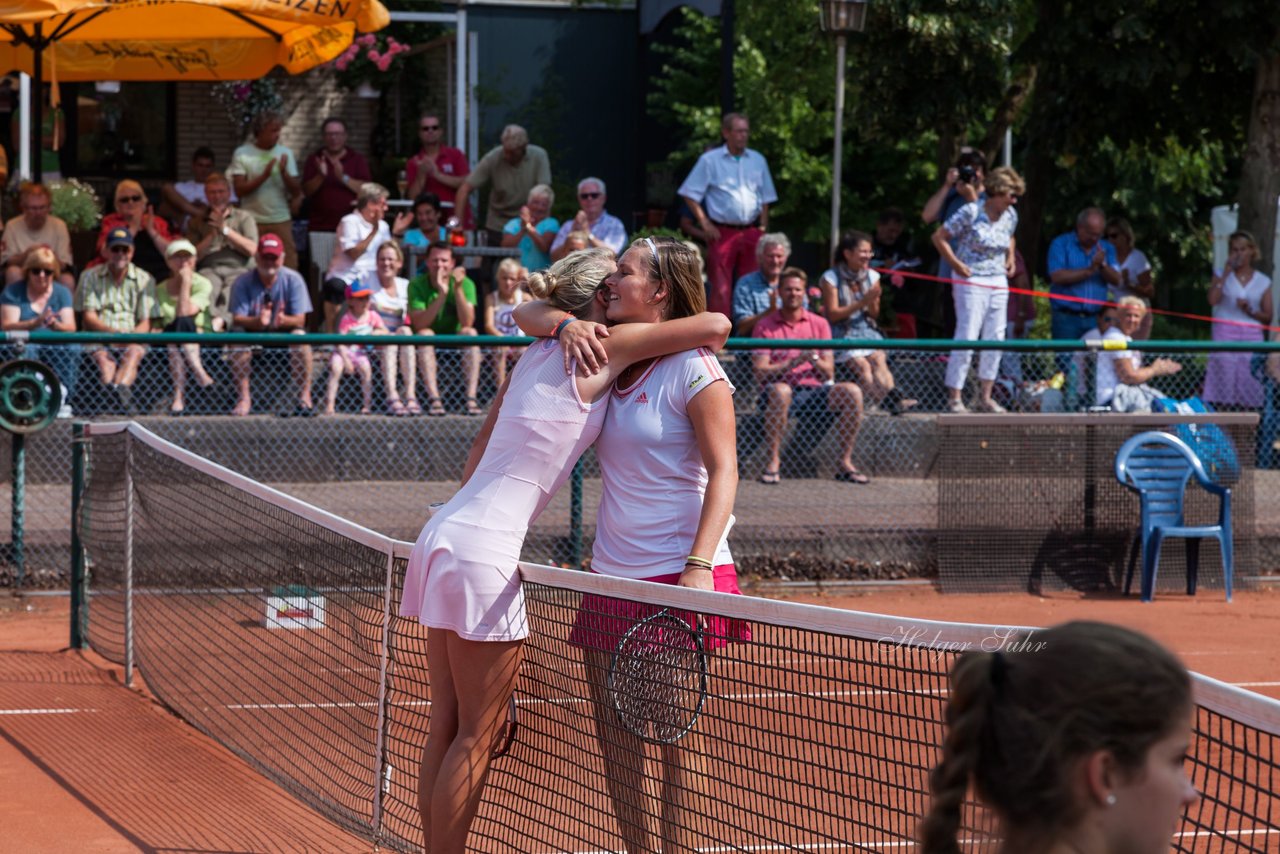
601 621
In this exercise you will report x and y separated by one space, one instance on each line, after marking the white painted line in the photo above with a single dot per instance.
44 711
366 704
1256 684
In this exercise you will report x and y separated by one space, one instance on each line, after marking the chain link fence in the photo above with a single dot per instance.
383 469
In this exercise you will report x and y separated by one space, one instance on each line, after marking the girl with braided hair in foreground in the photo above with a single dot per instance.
1074 737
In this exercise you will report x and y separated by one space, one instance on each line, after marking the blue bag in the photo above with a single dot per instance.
1212 446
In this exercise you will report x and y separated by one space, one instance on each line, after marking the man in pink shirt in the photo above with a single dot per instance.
800 381
436 168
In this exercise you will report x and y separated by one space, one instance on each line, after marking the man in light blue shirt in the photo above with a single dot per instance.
604 230
756 293
729 191
1081 265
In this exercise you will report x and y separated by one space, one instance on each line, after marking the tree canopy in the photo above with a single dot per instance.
1142 108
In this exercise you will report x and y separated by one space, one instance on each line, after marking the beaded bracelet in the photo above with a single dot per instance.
568 318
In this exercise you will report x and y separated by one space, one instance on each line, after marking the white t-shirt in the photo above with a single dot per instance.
1136 263
1232 290
1105 373
652 470
351 230
503 321
390 308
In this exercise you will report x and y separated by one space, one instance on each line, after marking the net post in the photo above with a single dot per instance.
79 572
382 770
128 559
575 515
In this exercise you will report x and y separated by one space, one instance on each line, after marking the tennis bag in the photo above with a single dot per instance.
1212 446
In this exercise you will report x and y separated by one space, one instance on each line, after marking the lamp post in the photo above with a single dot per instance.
840 17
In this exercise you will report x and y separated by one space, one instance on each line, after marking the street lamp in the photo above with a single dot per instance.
840 17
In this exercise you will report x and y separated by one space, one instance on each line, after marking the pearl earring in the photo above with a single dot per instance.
1111 800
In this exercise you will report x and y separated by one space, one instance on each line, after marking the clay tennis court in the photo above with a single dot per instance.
88 765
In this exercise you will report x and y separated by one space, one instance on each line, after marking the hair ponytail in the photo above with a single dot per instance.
973 690
571 283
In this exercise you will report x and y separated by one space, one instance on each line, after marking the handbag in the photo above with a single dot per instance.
1214 448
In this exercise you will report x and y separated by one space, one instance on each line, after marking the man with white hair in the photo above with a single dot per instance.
604 230
756 293
512 170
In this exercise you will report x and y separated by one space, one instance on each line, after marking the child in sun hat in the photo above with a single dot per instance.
358 319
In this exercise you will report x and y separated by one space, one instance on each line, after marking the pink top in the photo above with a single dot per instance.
542 429
351 325
811 326
652 470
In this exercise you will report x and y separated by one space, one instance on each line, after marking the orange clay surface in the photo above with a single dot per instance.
89 766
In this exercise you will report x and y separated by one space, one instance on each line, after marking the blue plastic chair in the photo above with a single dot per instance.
1157 466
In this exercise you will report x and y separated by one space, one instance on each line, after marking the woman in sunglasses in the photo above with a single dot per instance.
151 233
37 302
982 259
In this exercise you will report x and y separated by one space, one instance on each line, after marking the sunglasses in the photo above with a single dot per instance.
429 127
124 199
120 248
40 271
1112 235
589 195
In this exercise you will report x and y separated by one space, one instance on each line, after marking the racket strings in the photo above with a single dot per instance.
659 678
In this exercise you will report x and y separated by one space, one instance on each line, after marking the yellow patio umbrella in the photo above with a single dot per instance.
189 40
183 40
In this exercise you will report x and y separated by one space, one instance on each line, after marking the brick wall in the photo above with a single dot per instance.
308 99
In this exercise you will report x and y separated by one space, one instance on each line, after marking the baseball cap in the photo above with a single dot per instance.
358 289
180 245
119 237
270 244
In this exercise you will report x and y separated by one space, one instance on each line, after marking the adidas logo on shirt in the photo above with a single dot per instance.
643 398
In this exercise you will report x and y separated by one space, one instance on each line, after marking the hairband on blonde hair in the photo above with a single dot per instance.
653 247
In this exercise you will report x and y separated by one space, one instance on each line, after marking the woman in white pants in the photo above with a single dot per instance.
983 258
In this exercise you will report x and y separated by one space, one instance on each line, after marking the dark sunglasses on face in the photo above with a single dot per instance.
589 195
124 199
429 127
1112 235
120 249
40 271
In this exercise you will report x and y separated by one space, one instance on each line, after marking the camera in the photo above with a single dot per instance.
966 174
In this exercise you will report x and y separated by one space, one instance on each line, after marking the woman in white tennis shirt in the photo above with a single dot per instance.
668 462
462 580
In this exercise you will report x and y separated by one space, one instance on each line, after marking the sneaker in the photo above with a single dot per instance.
64 411
991 406
956 406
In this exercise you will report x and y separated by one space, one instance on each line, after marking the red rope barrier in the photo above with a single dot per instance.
1085 300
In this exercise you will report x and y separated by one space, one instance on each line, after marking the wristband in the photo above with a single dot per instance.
694 560
568 318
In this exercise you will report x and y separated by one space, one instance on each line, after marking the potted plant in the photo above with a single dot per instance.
365 65
77 204
244 99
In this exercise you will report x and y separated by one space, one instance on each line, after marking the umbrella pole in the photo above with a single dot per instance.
37 107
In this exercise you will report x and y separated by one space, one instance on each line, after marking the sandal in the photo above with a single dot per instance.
855 476
396 407
473 408
771 477
435 406
411 406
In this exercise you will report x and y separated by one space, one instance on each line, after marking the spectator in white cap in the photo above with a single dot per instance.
183 302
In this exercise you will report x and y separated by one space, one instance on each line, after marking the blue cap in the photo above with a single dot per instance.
119 237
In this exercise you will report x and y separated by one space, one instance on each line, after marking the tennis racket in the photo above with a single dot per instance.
658 677
507 736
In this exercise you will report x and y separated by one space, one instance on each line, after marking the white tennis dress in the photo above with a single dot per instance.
462 573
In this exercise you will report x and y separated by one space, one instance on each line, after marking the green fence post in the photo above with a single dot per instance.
575 515
79 575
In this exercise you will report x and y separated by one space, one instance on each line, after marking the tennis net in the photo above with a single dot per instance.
271 626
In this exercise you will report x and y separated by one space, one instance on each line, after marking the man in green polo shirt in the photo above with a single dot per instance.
442 301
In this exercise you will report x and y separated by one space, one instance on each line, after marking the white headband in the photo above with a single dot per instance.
653 247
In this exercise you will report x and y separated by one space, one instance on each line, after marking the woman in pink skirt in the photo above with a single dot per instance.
462 581
668 462
1241 300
